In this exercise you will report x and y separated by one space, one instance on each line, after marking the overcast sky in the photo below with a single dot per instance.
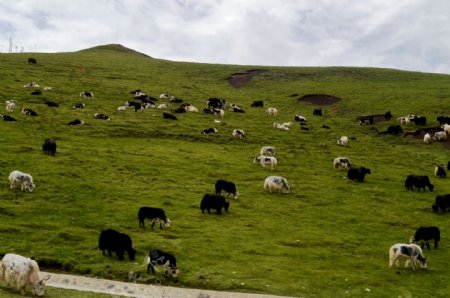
402 34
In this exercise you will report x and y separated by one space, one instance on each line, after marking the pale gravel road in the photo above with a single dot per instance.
80 283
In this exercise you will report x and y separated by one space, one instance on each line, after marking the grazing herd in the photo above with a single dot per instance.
21 272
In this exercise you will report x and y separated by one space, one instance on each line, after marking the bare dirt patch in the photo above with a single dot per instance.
420 133
240 79
320 99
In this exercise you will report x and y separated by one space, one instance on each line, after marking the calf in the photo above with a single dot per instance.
101 116
158 257
21 272
86 94
266 160
300 118
51 104
8 118
32 60
441 203
111 240
169 116
394 129
425 234
226 186
10 105
411 252
418 182
257 103
419 120
25 180
76 122
427 139
49 147
29 112
214 202
358 174
272 111
79 105
209 131
155 214
270 151
137 106
341 162
343 141
238 133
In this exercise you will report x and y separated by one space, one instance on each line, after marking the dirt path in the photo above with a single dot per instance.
80 283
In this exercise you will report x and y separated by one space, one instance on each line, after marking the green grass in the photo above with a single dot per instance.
328 238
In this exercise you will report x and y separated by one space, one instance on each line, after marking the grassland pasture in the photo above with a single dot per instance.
328 238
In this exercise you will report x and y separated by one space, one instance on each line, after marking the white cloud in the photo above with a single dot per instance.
404 34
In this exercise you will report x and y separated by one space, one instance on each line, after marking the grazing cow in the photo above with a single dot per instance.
76 122
216 103
441 203
411 252
49 147
48 89
10 105
122 108
272 111
165 96
163 106
325 126
31 84
226 186
219 112
79 105
427 139
300 118
257 103
25 180
341 162
404 120
439 171
155 214
440 136
266 160
236 109
36 92
343 141
168 261
443 120
214 202
20 272
86 94
29 112
419 120
51 104
7 118
317 112
270 151
175 100
394 130
280 126
179 110
358 174
425 234
276 183
238 133
418 182
190 108
137 106
169 116
111 240
101 116
209 131
304 128
32 60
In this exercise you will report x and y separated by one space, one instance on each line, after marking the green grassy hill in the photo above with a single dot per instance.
328 238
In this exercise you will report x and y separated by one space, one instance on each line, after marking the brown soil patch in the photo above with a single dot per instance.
240 79
320 99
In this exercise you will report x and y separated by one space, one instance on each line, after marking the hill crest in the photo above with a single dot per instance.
113 47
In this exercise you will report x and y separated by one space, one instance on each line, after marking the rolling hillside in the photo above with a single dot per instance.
328 238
